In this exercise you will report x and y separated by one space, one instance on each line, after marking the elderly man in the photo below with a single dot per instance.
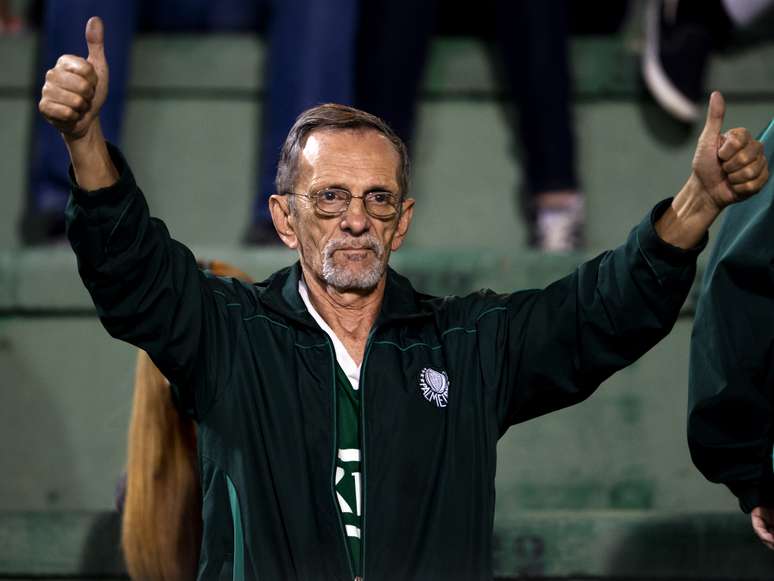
348 424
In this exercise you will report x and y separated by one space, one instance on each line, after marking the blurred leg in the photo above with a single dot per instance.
63 33
534 40
393 43
311 46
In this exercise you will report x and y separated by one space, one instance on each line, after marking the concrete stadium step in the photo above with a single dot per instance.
26 275
632 545
194 116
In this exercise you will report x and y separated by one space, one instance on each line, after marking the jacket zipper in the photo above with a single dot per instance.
363 454
333 463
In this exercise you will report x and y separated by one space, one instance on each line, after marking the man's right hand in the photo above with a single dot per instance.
763 524
76 88
74 92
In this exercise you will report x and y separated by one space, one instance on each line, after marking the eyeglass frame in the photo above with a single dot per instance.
398 207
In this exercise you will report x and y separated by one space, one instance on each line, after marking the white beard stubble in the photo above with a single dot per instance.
343 279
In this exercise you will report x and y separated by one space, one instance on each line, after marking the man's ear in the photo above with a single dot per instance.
284 220
406 215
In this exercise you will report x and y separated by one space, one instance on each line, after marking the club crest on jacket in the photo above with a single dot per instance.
435 386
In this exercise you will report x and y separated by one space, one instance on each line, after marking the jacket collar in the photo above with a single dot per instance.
401 301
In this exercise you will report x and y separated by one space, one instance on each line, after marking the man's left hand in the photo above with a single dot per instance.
730 166
727 168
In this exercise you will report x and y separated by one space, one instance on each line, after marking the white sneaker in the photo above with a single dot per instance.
560 229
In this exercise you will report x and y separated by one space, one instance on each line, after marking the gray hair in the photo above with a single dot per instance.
332 116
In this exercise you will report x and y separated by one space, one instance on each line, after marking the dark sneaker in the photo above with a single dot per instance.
678 42
262 234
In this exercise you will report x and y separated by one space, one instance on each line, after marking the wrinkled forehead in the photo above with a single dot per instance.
350 152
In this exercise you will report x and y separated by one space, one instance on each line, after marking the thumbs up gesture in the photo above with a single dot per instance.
76 88
730 166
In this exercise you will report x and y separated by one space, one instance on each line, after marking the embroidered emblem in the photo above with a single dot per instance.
435 386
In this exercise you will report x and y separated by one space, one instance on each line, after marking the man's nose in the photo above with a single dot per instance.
356 219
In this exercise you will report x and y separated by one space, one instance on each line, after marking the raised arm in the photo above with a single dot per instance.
146 286
565 340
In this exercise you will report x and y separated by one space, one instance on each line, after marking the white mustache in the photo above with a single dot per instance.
367 242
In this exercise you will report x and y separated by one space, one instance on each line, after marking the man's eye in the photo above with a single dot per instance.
380 197
329 195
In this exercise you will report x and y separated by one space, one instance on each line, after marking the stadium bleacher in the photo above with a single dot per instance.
603 490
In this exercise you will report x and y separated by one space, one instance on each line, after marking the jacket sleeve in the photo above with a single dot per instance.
147 287
559 344
732 357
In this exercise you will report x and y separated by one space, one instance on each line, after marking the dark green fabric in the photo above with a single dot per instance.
730 408
442 379
348 472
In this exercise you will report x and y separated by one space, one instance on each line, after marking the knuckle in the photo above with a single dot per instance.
66 61
742 188
84 87
742 158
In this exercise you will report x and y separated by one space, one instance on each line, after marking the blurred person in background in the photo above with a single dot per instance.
680 36
161 521
731 380
9 22
299 75
532 38
160 500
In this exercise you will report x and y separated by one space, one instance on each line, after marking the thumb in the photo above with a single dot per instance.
716 110
95 39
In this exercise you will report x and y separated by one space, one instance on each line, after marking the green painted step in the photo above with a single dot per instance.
46 280
632 545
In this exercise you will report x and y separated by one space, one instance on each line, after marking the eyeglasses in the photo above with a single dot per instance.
335 201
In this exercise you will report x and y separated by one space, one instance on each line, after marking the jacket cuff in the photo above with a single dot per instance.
105 196
752 494
654 247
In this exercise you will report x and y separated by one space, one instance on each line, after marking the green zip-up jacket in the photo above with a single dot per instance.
442 380
731 393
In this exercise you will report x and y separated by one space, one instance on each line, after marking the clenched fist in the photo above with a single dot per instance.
730 166
76 88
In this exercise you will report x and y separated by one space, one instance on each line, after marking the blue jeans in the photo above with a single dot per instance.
310 60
